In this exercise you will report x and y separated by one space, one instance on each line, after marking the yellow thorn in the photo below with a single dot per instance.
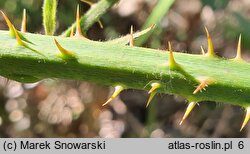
72 32
23 27
20 42
12 29
202 85
152 92
18 39
131 42
172 62
173 65
238 56
210 48
62 50
100 24
117 91
247 117
10 25
78 32
190 107
203 51
151 96
154 86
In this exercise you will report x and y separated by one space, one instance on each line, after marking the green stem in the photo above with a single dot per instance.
134 67
93 15
155 17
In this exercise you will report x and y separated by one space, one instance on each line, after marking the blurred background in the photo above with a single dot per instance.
59 108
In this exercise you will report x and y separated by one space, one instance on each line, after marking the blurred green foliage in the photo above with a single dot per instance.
238 24
65 14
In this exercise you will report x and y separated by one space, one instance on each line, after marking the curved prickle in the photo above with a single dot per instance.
131 42
23 27
174 66
172 63
190 107
72 32
10 25
210 47
118 90
20 42
203 51
152 92
100 24
65 53
12 29
247 117
238 56
154 86
78 32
